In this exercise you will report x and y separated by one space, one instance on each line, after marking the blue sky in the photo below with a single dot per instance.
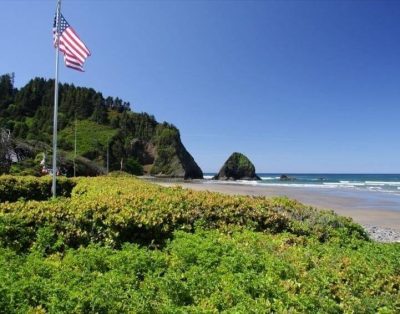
297 86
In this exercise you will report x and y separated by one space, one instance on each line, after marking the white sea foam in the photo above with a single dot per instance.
269 178
207 177
389 191
240 182
353 183
374 188
371 186
340 185
298 185
392 183
247 182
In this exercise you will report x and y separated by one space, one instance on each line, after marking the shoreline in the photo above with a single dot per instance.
378 214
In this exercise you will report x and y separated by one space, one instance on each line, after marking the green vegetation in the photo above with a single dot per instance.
237 167
203 272
166 139
133 166
13 188
240 161
118 245
90 137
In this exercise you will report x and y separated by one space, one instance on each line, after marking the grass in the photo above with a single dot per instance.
90 136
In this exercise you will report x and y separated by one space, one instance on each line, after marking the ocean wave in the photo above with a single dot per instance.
293 185
389 191
374 188
344 184
208 177
269 178
354 183
247 182
298 185
392 183
237 182
366 183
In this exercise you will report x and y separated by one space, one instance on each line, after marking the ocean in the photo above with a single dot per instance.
383 183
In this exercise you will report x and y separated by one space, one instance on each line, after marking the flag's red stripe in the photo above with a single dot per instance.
72 56
70 47
74 44
75 68
78 41
72 64
73 59
67 47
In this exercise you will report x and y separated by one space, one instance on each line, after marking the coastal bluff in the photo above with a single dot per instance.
237 167
96 134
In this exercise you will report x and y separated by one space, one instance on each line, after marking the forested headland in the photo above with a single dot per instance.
102 126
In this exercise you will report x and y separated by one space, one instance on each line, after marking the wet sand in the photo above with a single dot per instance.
365 207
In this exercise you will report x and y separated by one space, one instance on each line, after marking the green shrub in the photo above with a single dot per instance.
134 167
13 188
192 252
16 233
206 272
114 210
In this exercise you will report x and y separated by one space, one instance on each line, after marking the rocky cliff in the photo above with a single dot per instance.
165 155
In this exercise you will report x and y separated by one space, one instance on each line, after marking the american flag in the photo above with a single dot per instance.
74 50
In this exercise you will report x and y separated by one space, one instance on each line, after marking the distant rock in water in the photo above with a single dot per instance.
237 167
285 177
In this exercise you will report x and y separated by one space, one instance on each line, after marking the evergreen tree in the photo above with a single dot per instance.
6 91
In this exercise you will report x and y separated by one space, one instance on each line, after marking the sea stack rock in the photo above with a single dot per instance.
237 167
285 177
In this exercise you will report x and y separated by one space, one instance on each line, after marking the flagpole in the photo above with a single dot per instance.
53 187
75 147
108 154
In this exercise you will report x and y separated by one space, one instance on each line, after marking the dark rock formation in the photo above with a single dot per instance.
237 167
285 177
171 159
84 167
13 151
6 150
143 151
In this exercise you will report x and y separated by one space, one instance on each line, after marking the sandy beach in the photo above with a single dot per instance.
371 209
